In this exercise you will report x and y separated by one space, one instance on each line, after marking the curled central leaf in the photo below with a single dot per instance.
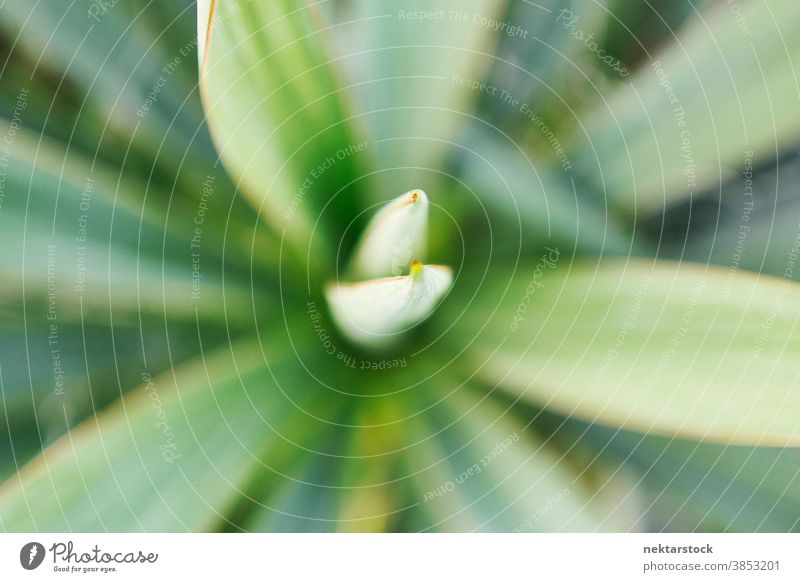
391 290
395 236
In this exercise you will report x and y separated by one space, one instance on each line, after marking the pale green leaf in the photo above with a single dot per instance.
530 204
543 70
405 59
123 76
278 119
89 370
479 468
374 313
77 236
693 486
691 114
176 454
666 348
396 235
350 488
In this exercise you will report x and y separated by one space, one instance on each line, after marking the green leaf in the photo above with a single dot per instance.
693 486
48 387
533 203
51 381
278 119
689 116
123 77
299 503
634 29
405 69
350 488
176 454
715 488
666 348
375 314
77 237
395 236
543 66
477 467
755 229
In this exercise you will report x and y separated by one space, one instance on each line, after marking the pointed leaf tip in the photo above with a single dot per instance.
395 235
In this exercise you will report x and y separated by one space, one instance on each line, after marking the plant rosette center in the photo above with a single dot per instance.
388 289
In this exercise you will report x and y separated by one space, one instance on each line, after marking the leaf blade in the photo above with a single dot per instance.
481 468
176 454
404 69
689 117
674 349
278 118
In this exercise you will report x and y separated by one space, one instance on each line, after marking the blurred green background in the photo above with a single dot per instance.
162 251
